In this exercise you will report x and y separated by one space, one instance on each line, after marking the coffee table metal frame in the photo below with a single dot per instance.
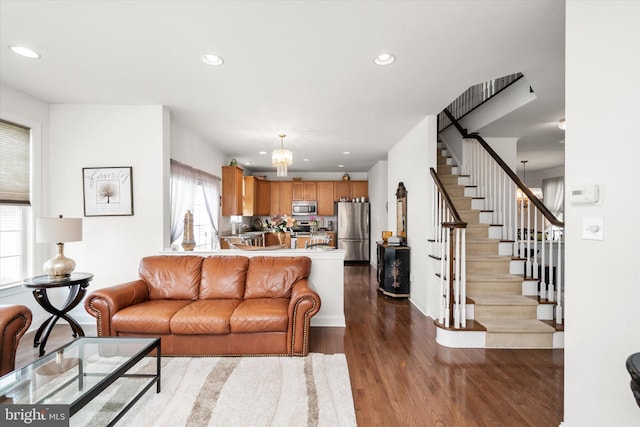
109 378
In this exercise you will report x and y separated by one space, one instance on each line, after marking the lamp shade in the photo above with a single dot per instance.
58 230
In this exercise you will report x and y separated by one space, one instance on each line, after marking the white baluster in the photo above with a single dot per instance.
543 276
463 278
559 305
456 312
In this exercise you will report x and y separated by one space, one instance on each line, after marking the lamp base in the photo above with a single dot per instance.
60 265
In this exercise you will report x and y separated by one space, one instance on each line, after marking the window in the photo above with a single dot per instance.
15 143
202 228
199 192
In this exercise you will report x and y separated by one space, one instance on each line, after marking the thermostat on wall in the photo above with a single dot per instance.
584 195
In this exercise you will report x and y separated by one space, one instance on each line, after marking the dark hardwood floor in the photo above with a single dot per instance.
401 376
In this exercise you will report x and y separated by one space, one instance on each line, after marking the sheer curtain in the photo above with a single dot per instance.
553 192
211 190
182 188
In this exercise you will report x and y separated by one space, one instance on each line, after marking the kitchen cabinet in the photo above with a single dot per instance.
359 189
270 239
341 189
350 190
303 240
324 194
256 197
281 196
232 184
304 190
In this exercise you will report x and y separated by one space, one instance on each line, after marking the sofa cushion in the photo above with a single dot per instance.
261 315
172 277
223 277
273 277
149 317
204 317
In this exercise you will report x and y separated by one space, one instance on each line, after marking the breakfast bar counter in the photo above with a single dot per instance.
326 277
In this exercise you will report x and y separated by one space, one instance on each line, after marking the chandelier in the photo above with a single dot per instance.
522 198
281 158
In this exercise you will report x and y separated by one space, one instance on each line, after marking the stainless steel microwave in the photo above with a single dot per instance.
304 207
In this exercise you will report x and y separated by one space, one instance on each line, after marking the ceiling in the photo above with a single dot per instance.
304 68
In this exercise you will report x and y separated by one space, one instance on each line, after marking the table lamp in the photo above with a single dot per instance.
59 230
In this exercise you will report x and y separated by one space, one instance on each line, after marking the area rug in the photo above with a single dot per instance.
235 391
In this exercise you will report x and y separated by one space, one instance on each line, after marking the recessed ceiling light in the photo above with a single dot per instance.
340 166
346 152
305 160
25 51
212 59
264 153
247 163
384 59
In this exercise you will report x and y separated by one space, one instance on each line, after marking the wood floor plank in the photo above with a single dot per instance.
401 376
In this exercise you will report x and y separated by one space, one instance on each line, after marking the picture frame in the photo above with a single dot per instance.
108 191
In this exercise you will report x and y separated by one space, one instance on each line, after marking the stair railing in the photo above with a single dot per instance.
475 96
449 234
537 235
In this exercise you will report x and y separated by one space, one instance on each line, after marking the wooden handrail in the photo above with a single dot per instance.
521 185
458 222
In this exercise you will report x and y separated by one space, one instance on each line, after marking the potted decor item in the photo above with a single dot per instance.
280 224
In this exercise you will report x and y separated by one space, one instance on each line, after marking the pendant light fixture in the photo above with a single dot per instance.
521 197
281 158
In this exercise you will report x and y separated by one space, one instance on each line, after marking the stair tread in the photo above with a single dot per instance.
493 277
503 300
482 240
491 258
519 326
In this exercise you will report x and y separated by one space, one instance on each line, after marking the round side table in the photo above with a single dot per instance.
77 284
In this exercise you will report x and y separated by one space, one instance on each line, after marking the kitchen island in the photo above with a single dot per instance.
326 277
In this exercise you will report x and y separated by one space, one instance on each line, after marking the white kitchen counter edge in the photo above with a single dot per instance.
327 278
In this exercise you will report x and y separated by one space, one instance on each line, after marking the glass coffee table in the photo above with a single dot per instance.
99 379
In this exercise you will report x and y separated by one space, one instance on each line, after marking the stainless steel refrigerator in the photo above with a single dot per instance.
353 230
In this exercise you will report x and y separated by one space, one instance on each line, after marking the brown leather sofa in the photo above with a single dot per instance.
216 305
14 322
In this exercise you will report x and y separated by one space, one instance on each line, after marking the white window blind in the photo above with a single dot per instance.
14 163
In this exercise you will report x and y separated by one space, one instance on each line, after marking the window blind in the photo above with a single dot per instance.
14 163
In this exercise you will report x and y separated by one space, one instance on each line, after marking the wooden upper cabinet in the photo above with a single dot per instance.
341 189
359 189
232 183
286 197
304 190
264 198
281 197
256 197
324 191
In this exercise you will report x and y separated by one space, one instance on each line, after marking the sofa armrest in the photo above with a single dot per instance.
14 322
304 304
104 303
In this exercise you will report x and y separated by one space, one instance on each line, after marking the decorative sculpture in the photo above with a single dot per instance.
188 242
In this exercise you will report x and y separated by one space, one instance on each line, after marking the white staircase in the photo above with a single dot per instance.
502 304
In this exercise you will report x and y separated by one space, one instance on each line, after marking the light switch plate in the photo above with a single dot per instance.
592 228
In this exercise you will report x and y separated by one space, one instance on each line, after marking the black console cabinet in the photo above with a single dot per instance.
394 266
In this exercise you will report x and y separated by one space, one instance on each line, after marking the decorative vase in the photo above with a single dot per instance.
280 237
188 242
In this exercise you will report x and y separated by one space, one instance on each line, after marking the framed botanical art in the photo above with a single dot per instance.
107 191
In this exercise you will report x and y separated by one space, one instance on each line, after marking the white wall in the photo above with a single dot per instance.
506 148
192 150
510 99
23 109
602 147
378 193
100 136
409 162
